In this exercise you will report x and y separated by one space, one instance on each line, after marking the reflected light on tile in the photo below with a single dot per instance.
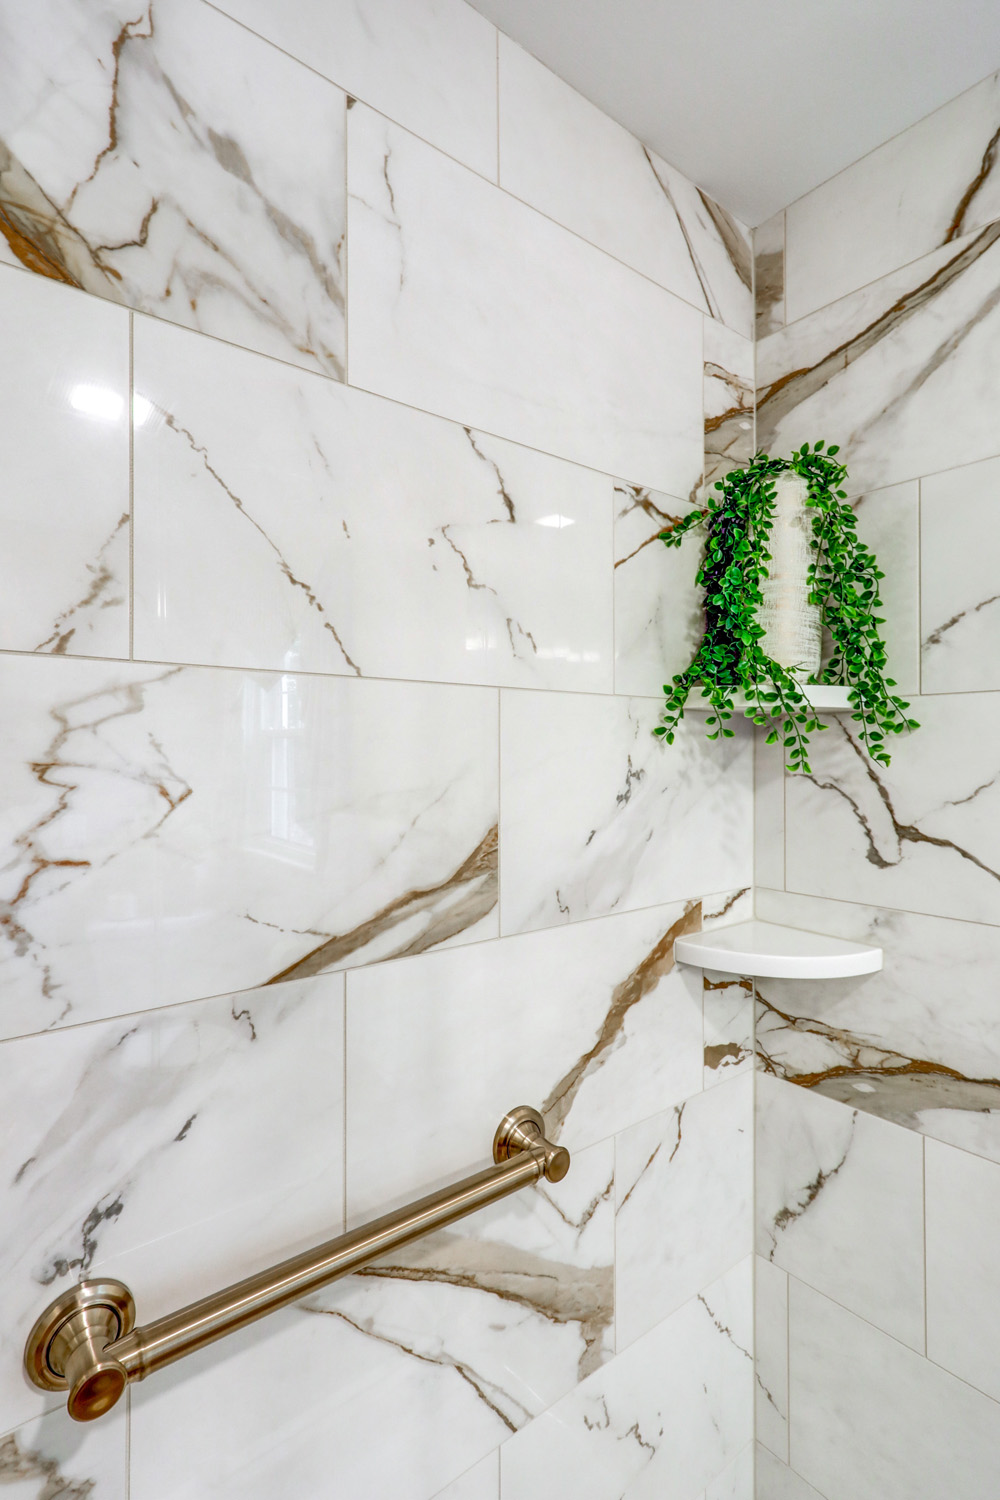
96 401
556 520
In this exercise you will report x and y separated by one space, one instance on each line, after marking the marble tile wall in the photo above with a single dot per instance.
355 364
878 1099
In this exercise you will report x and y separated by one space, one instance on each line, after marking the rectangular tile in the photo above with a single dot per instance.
659 618
900 374
770 1351
729 402
178 832
430 64
928 186
959 556
53 1457
467 303
631 822
660 1421
683 1183
64 570
920 834
840 1205
177 1151
769 274
769 814
915 1043
564 156
736 1482
963 1301
889 523
776 1481
218 201
728 1009
372 539
871 1420
481 1482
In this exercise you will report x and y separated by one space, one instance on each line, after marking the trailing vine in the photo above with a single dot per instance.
843 579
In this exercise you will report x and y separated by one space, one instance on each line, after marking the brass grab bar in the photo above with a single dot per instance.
86 1342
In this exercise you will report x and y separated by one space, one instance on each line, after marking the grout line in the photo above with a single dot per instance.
788 1369
923 1225
920 587
497 29
500 841
344 1001
131 486
347 242
128 1442
881 906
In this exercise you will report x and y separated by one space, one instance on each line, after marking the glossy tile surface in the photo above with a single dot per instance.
684 1187
632 823
963 1305
467 303
660 1421
959 601
65 392
658 609
430 64
770 1351
137 169
175 831
481 1482
736 1482
769 274
372 539
775 1481
177 1151
889 523
562 155
729 404
55 1459
729 1016
840 1205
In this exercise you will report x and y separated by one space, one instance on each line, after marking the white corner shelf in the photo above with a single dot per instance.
824 697
766 951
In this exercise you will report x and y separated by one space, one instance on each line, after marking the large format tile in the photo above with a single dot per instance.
467 303
598 815
66 492
661 1420
915 1043
889 522
776 1481
592 1024
920 834
900 374
165 158
371 538
871 1420
176 1151
430 64
840 1205
963 1299
770 1355
481 1482
177 832
564 156
659 617
728 1005
53 1458
736 1482
959 557
684 1183
729 403
927 187
769 274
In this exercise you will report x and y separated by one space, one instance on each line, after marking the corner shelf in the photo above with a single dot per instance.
766 951
826 698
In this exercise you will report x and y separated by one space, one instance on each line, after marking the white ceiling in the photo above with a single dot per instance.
758 103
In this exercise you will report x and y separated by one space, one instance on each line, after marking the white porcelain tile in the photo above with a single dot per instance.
729 402
871 1420
915 1043
729 1015
564 156
921 834
467 303
928 186
64 388
736 1482
840 1205
177 832
430 64
900 374
684 1184
614 1028
769 814
657 1423
889 523
302 1401
963 1301
371 538
959 557
518 1298
481 1482
55 1458
176 1151
627 822
658 610
775 1481
769 274
770 1350
216 198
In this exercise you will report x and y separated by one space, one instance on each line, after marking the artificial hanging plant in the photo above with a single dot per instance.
842 579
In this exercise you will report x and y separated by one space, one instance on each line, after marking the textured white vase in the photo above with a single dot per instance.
792 630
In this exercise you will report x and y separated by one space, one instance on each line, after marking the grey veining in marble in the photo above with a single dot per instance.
53 1458
138 166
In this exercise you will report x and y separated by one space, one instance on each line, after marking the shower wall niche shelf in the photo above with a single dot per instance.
764 950
825 698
